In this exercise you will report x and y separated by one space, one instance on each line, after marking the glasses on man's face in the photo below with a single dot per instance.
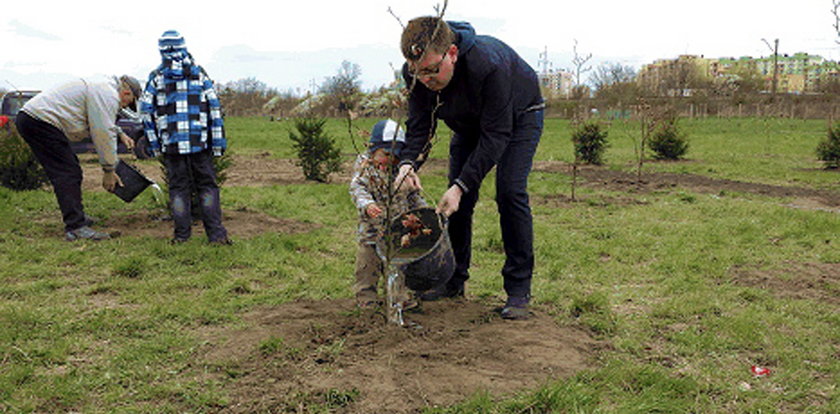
431 70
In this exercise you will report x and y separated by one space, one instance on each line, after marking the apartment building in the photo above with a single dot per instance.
557 83
798 73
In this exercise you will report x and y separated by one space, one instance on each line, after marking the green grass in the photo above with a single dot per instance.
768 151
110 327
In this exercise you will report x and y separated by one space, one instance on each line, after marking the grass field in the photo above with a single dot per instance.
687 288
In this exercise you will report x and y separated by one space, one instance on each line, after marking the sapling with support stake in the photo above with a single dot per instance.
395 284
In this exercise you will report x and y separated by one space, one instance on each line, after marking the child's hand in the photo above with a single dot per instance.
373 210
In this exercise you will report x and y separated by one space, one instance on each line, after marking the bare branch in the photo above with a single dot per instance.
391 11
441 10
389 213
836 12
579 61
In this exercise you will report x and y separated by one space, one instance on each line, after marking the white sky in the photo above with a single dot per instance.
295 44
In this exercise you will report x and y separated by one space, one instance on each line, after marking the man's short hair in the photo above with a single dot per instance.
424 33
132 84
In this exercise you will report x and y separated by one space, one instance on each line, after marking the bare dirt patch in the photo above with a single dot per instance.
819 282
258 170
263 170
309 353
565 201
245 171
622 181
240 223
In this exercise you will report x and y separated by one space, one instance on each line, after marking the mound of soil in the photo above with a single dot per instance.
327 353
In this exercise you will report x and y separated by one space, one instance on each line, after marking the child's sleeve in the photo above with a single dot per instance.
215 122
359 187
148 114
415 200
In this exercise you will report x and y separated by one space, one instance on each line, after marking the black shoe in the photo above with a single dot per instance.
221 242
441 292
516 308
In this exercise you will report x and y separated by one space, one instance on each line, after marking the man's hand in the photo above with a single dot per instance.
407 179
373 210
127 141
110 181
450 201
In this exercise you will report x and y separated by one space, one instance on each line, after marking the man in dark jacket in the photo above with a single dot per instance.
490 98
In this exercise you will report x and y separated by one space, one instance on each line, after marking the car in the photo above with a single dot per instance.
127 120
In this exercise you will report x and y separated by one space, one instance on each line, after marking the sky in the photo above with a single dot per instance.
295 45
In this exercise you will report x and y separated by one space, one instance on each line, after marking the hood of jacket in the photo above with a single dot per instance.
465 36
174 55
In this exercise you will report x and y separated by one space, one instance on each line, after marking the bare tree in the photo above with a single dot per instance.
579 61
245 96
615 82
344 87
746 79
678 77
344 92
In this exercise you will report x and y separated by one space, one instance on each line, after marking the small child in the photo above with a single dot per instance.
373 177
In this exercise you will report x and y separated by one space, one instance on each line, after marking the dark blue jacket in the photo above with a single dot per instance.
491 86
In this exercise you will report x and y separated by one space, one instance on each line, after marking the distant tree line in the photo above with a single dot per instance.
336 96
613 90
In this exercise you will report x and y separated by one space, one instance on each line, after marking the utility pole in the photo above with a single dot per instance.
545 77
544 62
775 50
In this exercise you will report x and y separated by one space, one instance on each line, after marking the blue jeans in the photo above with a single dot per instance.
185 172
512 200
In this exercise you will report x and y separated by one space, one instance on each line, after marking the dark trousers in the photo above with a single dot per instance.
188 171
512 200
52 149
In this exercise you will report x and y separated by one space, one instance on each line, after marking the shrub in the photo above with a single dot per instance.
668 142
318 155
828 150
19 169
590 142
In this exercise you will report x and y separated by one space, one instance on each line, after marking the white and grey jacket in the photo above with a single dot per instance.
371 185
83 108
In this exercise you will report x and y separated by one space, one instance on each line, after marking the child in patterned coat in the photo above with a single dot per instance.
373 175
182 118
